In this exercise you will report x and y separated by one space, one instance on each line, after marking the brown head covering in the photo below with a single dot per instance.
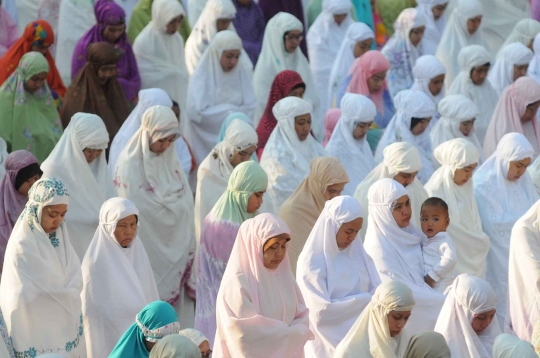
86 94
304 206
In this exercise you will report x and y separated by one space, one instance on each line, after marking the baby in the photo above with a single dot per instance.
438 249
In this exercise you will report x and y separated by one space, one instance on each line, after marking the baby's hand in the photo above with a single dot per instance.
429 281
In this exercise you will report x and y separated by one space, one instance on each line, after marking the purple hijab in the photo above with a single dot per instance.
109 13
249 24
535 9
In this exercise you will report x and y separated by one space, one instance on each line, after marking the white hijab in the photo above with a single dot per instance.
524 32
468 296
509 346
214 94
534 65
354 154
118 281
205 29
336 284
400 157
456 36
274 59
501 74
427 68
324 38
454 109
370 335
285 158
42 280
160 56
434 28
484 96
92 182
357 31
465 229
410 104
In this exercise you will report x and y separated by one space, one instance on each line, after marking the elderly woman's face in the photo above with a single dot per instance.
125 231
401 211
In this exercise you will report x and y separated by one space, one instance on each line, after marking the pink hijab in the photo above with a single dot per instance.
330 120
507 115
362 69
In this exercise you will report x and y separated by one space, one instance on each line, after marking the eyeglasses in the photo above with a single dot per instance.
298 37
207 354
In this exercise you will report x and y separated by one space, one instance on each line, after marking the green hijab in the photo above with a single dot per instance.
29 121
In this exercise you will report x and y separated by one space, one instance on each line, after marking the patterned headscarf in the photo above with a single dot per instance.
195 336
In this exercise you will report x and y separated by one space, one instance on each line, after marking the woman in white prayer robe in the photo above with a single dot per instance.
220 85
289 150
429 74
149 174
504 192
217 16
524 32
40 292
453 183
335 275
380 330
434 12
512 63
394 244
467 320
78 160
117 276
475 62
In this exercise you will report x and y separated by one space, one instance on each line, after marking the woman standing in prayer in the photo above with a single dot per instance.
221 84
434 12
149 174
358 40
117 276
154 322
512 64
453 183
9 31
249 23
78 160
289 150
111 28
467 320
524 32
404 48
429 74
280 51
410 124
326 180
335 275
515 112
508 346
43 318
349 140
217 16
462 30
96 90
28 116
394 244
504 192
241 201
259 303
380 329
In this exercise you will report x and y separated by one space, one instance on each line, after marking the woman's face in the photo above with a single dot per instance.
362 47
530 113
204 347
402 211
223 24
297 92
174 25
42 49
466 127
52 217
397 321
91 154
105 73
292 40
255 201
229 60
242 156
35 82
161 145
479 74
302 126
25 187
274 251
416 35
438 11
339 18
520 71
333 190
361 129
125 231
436 84
405 178
473 24
376 82
463 175
347 233
421 126
112 33
482 321
517 169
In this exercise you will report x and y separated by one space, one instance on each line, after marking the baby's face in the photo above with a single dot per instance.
433 220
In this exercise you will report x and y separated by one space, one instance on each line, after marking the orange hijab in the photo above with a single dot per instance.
39 33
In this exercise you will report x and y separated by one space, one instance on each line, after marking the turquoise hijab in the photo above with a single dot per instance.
227 122
157 320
